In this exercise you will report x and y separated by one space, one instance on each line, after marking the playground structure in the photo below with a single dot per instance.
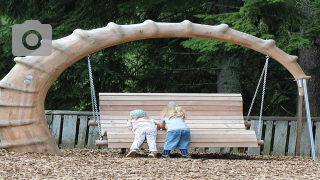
23 90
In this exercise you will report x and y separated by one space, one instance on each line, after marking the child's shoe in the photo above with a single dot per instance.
165 156
132 153
186 156
152 155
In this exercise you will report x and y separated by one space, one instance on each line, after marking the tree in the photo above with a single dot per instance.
266 20
134 67
310 55
166 65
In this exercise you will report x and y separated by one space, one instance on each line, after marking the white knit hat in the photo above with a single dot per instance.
137 112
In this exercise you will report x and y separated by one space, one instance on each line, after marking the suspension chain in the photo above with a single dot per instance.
263 74
93 99
262 96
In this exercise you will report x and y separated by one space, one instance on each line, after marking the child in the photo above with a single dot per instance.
143 127
178 133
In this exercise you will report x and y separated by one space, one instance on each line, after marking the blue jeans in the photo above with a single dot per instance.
177 139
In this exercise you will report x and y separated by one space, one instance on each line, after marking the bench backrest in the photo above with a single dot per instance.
203 111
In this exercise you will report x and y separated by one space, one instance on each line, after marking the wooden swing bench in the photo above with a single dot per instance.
215 120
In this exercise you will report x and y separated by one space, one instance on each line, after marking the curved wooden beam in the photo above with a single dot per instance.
24 88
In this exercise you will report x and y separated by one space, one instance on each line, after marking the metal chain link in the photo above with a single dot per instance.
263 74
93 99
262 96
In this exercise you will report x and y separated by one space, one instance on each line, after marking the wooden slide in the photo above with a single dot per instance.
23 127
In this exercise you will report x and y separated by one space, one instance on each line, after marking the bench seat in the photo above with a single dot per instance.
215 120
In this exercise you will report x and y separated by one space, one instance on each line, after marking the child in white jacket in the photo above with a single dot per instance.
143 128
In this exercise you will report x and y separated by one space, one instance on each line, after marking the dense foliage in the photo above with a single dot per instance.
168 65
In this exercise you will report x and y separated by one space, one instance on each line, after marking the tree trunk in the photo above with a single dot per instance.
229 76
311 64
228 80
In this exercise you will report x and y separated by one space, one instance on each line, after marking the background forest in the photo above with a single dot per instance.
178 65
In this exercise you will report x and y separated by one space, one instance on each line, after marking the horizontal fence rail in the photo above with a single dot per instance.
70 130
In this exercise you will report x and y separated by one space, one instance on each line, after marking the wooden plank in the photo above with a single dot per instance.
160 108
56 125
193 140
226 129
93 136
201 149
49 121
219 144
144 145
234 150
268 138
206 132
83 125
191 126
125 117
172 94
65 112
169 98
317 139
305 148
191 113
280 138
226 150
254 126
165 103
214 149
266 118
69 131
193 136
187 121
292 138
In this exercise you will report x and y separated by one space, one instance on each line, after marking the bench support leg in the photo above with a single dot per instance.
123 150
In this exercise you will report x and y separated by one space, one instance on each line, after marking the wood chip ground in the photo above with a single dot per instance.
111 164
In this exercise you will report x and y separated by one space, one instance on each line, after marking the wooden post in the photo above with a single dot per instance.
299 126
268 137
279 144
292 138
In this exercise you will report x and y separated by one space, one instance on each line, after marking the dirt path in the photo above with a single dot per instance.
103 164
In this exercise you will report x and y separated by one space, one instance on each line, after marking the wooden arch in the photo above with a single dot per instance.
23 127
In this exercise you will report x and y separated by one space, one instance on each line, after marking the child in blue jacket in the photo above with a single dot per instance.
178 133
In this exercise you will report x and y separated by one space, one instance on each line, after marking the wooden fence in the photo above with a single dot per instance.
70 130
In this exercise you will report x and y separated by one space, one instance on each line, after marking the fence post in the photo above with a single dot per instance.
280 134
49 121
268 137
83 126
292 138
214 149
317 139
56 125
93 136
254 126
69 131
305 140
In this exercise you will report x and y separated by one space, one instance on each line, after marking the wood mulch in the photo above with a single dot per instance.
111 164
